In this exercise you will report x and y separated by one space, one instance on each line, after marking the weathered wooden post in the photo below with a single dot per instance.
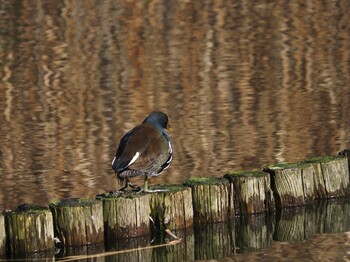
172 209
78 221
125 215
345 153
2 235
210 198
251 192
292 183
29 228
331 174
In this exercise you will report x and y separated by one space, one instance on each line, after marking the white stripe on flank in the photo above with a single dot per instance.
113 161
170 147
136 156
170 153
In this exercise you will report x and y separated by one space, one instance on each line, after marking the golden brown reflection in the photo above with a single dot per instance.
244 83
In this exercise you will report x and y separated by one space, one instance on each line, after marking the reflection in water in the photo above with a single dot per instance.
244 84
312 233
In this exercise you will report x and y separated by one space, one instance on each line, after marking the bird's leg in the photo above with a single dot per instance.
146 190
145 185
125 182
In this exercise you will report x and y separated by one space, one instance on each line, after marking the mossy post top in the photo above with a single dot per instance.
324 159
286 165
170 188
74 202
252 173
303 164
198 181
125 195
27 208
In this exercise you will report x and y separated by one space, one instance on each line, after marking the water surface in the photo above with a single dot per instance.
245 83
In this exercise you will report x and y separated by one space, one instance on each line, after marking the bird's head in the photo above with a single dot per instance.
158 119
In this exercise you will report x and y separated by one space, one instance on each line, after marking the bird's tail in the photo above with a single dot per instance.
121 176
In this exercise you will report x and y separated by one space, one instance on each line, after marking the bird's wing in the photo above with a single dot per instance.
155 155
131 146
142 148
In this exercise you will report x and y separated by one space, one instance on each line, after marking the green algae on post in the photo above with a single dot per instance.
29 229
292 183
331 174
250 191
78 221
243 173
210 198
204 181
303 182
74 202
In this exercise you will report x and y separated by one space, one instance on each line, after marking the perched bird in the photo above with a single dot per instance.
144 150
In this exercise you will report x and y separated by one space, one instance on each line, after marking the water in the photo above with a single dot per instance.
319 232
245 83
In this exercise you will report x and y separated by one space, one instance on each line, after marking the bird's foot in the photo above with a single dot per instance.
124 190
118 192
134 187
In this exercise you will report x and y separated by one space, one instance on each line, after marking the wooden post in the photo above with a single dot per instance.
210 197
125 215
2 235
345 153
292 183
251 192
331 174
78 221
172 209
29 228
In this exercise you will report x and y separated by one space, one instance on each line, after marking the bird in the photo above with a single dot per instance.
144 150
